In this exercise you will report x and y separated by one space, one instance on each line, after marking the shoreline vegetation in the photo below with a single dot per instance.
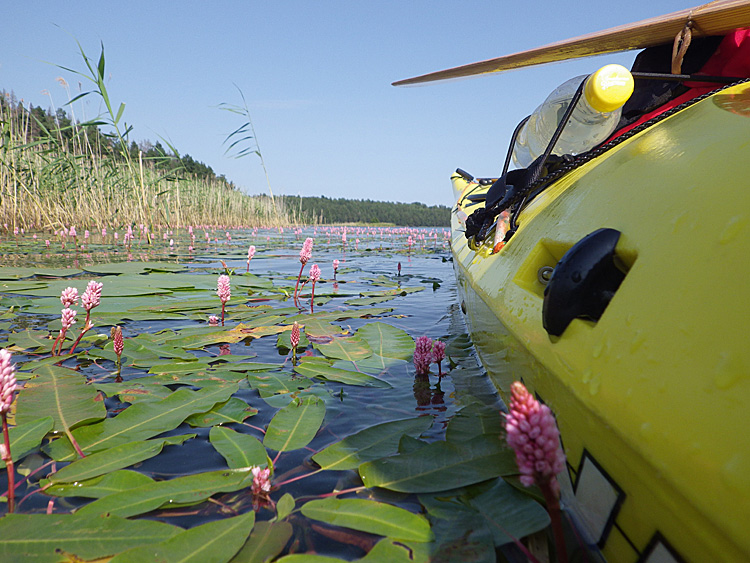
57 171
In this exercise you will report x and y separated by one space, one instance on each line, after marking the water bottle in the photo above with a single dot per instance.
593 120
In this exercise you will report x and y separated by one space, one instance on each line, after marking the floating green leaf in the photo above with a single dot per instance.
240 450
118 457
398 551
370 516
284 507
295 425
441 466
329 373
27 437
349 348
115 482
233 410
142 421
180 490
266 541
387 341
44 538
214 542
63 394
369 444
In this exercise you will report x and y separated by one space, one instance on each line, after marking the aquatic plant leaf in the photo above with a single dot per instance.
269 384
24 438
398 551
240 450
63 394
371 443
201 378
295 425
233 410
266 541
37 341
284 506
44 538
211 337
115 482
134 391
329 373
509 512
346 348
180 490
370 516
141 421
308 558
472 421
248 279
441 466
375 365
112 459
134 267
214 542
387 341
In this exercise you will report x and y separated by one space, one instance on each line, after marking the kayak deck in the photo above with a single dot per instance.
652 399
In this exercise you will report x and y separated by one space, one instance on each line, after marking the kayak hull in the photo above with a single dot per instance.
653 399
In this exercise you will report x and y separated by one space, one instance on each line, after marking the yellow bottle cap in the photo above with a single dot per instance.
609 88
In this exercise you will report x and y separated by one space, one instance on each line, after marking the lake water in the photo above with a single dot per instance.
162 295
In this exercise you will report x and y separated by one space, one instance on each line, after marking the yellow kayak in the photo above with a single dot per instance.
650 385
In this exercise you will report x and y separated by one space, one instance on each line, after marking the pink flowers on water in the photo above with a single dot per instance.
223 288
314 276
294 337
261 482
304 256
335 267
423 355
7 389
438 354
92 296
250 254
68 319
69 296
532 433
425 352
224 291
7 381
306 253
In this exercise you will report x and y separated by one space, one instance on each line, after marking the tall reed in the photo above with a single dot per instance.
76 173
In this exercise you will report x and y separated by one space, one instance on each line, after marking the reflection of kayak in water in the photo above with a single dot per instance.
620 299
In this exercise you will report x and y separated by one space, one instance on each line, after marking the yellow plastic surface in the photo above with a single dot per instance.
657 392
609 88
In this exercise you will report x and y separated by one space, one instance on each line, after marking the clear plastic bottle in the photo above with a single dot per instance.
593 120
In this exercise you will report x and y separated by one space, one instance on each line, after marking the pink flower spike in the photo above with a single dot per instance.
294 338
438 354
314 273
69 296
423 355
261 481
68 318
213 320
306 253
335 267
532 433
223 289
7 381
92 296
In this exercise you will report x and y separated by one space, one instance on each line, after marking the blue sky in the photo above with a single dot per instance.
316 76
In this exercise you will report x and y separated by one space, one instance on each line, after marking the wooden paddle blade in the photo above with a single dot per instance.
715 18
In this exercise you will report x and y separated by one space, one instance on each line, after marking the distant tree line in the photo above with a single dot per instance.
333 211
